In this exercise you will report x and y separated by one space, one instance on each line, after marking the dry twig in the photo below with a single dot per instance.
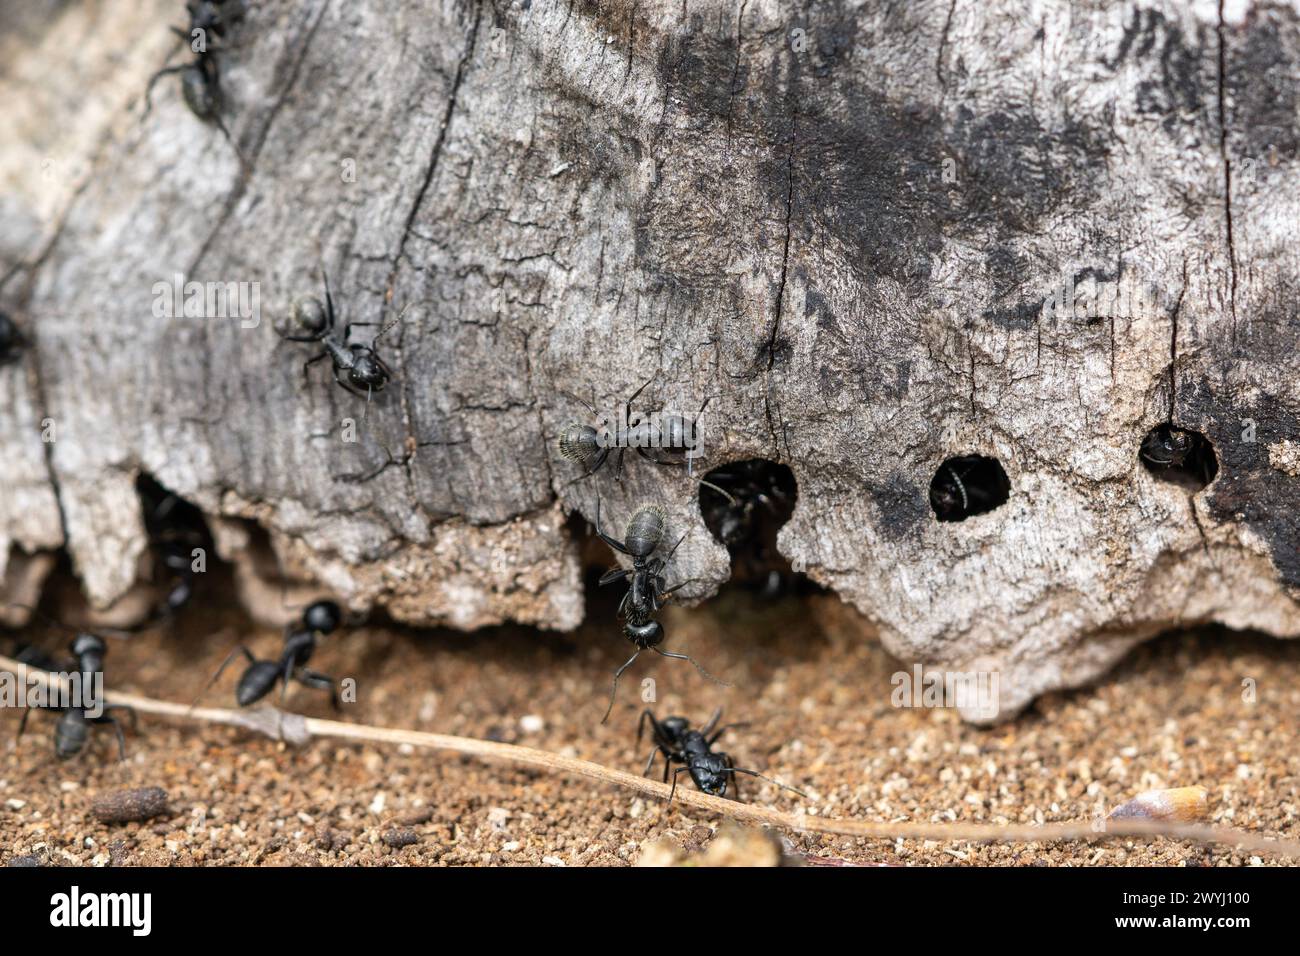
297 729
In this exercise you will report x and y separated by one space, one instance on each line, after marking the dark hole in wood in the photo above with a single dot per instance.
765 493
1179 455
175 528
968 485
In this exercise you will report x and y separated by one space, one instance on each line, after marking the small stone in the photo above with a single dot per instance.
125 806
532 724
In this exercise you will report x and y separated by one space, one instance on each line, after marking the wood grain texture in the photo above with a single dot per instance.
838 220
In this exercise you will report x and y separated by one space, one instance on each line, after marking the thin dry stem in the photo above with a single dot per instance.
297 729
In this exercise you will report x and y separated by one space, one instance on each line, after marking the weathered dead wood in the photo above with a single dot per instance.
841 220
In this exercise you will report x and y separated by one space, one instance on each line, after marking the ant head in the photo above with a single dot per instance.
644 635
1166 445
675 726
709 771
367 371
200 93
578 442
322 616
945 498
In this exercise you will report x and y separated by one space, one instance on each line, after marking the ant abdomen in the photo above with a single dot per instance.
308 316
645 531
255 682
200 93
579 443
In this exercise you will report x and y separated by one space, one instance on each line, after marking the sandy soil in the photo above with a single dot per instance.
815 695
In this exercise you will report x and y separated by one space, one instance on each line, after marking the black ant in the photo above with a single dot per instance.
176 530
72 732
200 79
320 618
967 486
748 523
647 593
672 435
1179 455
678 743
11 340
581 442
366 371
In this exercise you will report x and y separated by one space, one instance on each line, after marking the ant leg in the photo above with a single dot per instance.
618 465
713 722
121 738
224 664
687 657
722 730
329 300
148 90
661 598
614 574
654 752
306 366
22 722
135 719
632 398
321 682
612 542
285 677
673 791
614 691
647 714
665 561
735 781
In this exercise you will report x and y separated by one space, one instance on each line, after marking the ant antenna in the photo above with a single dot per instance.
965 501
613 694
686 657
755 773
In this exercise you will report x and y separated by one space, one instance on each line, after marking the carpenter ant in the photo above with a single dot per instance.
176 530
320 618
647 593
748 523
966 486
1167 446
580 442
678 743
1179 455
11 340
72 732
200 79
671 435
366 371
